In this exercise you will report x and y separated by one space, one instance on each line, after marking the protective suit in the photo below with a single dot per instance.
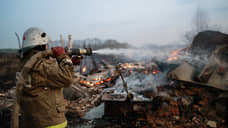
40 84
41 98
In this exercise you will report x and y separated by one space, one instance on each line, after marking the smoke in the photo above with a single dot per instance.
158 54
139 82
138 54
95 113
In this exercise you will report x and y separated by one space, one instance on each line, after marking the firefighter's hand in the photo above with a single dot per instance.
57 51
221 70
76 60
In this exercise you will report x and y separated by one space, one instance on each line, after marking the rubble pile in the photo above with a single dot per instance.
6 104
184 102
185 106
205 42
173 106
78 107
8 62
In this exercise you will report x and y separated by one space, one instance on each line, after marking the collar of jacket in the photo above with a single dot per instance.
26 58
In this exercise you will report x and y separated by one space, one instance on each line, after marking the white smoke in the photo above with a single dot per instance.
137 54
159 54
95 113
139 82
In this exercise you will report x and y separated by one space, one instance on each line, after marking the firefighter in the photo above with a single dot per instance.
41 95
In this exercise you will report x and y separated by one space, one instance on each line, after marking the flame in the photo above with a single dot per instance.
155 71
175 53
88 83
98 83
128 65
173 56
84 69
152 70
109 79
96 79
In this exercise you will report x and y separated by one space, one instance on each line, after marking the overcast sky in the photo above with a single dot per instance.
133 21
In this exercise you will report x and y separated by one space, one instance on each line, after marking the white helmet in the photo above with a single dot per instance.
33 37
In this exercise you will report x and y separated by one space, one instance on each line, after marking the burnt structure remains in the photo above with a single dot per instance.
183 91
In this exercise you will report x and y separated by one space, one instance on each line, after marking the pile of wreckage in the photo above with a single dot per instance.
195 95
194 92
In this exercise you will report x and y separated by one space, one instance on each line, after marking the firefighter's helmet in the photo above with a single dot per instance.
33 37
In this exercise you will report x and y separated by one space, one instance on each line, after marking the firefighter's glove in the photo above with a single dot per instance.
57 51
221 70
76 60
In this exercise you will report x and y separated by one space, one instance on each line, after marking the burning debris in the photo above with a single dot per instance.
97 79
173 91
179 106
150 68
173 56
84 69
157 102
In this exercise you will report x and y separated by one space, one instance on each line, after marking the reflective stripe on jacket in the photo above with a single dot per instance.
62 125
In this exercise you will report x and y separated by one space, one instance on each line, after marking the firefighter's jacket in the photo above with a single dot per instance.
41 94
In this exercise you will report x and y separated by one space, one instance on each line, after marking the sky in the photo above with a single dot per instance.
137 22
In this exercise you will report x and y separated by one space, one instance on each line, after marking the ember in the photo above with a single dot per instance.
109 79
95 81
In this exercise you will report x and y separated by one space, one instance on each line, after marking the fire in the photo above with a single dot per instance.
84 69
96 79
86 83
109 79
100 81
174 56
175 53
128 65
155 71
151 69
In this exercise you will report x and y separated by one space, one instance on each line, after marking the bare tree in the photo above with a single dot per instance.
200 20
200 23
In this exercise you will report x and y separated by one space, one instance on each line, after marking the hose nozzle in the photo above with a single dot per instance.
80 51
